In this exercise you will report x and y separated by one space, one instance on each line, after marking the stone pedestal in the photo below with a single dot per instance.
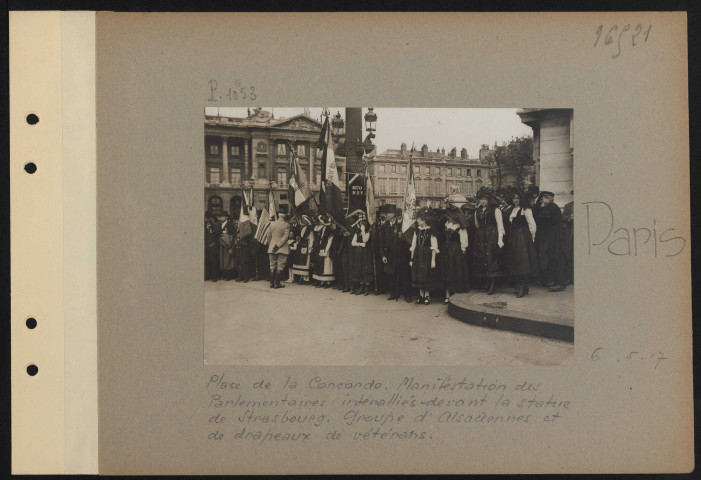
553 150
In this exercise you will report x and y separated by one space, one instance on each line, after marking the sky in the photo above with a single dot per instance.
436 127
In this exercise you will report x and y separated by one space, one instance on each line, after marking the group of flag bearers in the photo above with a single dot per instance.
406 252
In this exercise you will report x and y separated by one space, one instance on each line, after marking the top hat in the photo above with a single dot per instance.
545 192
389 208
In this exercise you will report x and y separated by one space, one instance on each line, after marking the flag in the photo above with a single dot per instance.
263 227
271 206
409 213
252 212
369 196
245 228
299 189
330 198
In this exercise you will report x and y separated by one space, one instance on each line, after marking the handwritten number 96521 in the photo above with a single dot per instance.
639 35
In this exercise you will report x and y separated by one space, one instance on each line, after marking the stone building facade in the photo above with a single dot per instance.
436 175
553 149
252 153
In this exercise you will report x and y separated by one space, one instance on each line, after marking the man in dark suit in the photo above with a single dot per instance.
278 249
211 238
388 240
548 242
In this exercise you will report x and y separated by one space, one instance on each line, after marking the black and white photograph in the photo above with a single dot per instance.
388 236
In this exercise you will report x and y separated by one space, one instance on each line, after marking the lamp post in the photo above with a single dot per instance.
370 124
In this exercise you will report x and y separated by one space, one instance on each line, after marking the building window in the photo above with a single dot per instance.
438 170
429 187
381 169
383 186
214 175
213 149
393 184
479 172
449 171
402 186
281 175
281 149
283 196
394 169
438 187
236 175
301 150
261 170
468 172
469 188
403 169
234 150
417 170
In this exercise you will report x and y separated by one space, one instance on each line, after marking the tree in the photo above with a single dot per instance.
518 156
498 155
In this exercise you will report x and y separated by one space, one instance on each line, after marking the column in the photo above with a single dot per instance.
225 161
312 163
272 156
246 160
254 162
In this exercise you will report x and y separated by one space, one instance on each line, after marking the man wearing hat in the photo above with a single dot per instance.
212 232
388 250
278 249
548 241
568 240
227 260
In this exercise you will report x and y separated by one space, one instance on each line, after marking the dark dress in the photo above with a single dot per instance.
486 251
548 240
568 241
520 250
422 275
453 263
361 259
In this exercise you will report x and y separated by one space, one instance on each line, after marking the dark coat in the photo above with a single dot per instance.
389 239
548 237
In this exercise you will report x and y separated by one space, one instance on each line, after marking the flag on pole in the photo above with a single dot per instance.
369 196
252 213
299 191
263 227
330 198
409 213
271 206
245 228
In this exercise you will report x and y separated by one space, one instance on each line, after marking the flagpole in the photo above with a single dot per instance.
373 237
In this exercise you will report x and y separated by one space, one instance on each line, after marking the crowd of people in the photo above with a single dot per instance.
490 243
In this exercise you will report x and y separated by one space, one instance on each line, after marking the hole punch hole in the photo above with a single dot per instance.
31 323
32 370
30 167
32 119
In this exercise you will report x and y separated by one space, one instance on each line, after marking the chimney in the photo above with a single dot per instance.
453 152
424 150
443 151
463 153
403 150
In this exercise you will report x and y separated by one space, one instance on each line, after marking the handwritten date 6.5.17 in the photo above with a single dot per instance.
618 34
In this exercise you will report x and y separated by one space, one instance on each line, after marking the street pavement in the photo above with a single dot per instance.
251 324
